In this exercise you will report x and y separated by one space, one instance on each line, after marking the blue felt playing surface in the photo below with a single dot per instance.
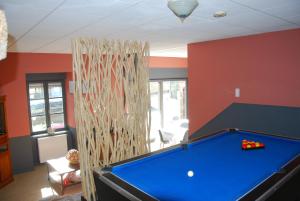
222 170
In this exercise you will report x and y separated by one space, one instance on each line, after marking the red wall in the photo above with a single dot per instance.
265 67
13 83
167 62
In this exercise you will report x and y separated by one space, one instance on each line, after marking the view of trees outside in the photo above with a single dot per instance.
56 106
155 106
174 99
38 106
168 108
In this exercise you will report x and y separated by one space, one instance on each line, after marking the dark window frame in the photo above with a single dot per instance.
45 79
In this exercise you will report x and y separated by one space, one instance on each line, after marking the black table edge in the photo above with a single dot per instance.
131 192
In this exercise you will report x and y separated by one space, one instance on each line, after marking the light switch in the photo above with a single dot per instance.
71 87
237 92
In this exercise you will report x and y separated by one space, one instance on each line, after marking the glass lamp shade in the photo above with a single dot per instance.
3 35
182 8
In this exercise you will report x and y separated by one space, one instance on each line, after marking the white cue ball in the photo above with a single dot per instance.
190 173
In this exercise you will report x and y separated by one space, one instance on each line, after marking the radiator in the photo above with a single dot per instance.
52 147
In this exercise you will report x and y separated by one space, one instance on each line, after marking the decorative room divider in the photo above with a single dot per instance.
111 104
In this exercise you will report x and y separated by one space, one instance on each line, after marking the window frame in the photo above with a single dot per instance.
45 79
160 81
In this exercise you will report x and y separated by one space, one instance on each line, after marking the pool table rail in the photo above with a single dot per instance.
240 130
269 186
112 188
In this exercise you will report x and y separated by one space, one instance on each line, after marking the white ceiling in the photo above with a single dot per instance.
49 25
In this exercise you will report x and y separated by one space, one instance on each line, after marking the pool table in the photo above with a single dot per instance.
213 167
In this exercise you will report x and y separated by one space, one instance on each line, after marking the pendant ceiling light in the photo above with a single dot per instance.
3 35
182 8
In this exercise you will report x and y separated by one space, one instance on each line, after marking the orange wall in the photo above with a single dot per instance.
265 67
13 83
167 62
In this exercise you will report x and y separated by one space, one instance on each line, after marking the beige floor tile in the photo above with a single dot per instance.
31 186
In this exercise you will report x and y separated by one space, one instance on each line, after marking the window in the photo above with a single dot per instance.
46 103
168 104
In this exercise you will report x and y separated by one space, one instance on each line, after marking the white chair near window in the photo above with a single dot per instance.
185 138
163 139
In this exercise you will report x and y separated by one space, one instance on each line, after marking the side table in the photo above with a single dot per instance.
58 171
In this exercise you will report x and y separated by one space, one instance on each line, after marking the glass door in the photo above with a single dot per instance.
169 109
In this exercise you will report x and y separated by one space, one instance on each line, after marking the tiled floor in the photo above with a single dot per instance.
32 186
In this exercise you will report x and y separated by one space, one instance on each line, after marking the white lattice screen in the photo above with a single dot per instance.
112 114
